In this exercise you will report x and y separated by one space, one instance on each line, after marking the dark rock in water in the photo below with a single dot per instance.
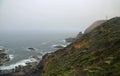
31 49
3 50
3 58
3 55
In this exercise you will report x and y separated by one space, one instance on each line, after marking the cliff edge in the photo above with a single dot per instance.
96 53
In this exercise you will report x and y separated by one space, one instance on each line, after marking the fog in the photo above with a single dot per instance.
54 15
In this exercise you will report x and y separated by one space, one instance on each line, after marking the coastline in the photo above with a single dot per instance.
27 65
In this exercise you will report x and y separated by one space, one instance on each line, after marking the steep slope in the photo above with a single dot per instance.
94 25
97 53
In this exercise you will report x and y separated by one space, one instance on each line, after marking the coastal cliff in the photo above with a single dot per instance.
96 53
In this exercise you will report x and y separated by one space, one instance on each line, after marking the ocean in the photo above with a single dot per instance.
18 43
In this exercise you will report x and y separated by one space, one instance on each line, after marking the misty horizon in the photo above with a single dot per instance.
54 15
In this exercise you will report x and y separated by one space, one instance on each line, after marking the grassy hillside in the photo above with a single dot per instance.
97 53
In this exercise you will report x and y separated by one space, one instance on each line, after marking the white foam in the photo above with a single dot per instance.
22 63
64 41
40 57
64 45
59 45
44 43
11 56
44 52
54 45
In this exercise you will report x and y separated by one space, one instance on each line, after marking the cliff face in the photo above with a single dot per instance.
97 53
94 25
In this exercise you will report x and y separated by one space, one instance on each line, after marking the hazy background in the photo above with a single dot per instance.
54 15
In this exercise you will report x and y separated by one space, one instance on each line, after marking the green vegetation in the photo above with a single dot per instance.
97 53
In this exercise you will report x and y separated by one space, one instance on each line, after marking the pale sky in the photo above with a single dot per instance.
55 15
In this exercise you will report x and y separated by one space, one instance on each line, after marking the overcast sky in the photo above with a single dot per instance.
56 15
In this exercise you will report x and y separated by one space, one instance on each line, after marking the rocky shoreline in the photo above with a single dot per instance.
22 70
80 58
3 56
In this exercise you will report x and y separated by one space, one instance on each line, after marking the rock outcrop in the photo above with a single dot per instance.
71 40
3 56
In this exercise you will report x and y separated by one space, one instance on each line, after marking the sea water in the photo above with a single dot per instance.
18 44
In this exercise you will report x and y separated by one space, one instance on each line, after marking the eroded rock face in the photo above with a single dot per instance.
42 64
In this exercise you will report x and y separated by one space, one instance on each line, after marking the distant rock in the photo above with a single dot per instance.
80 34
31 49
70 40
